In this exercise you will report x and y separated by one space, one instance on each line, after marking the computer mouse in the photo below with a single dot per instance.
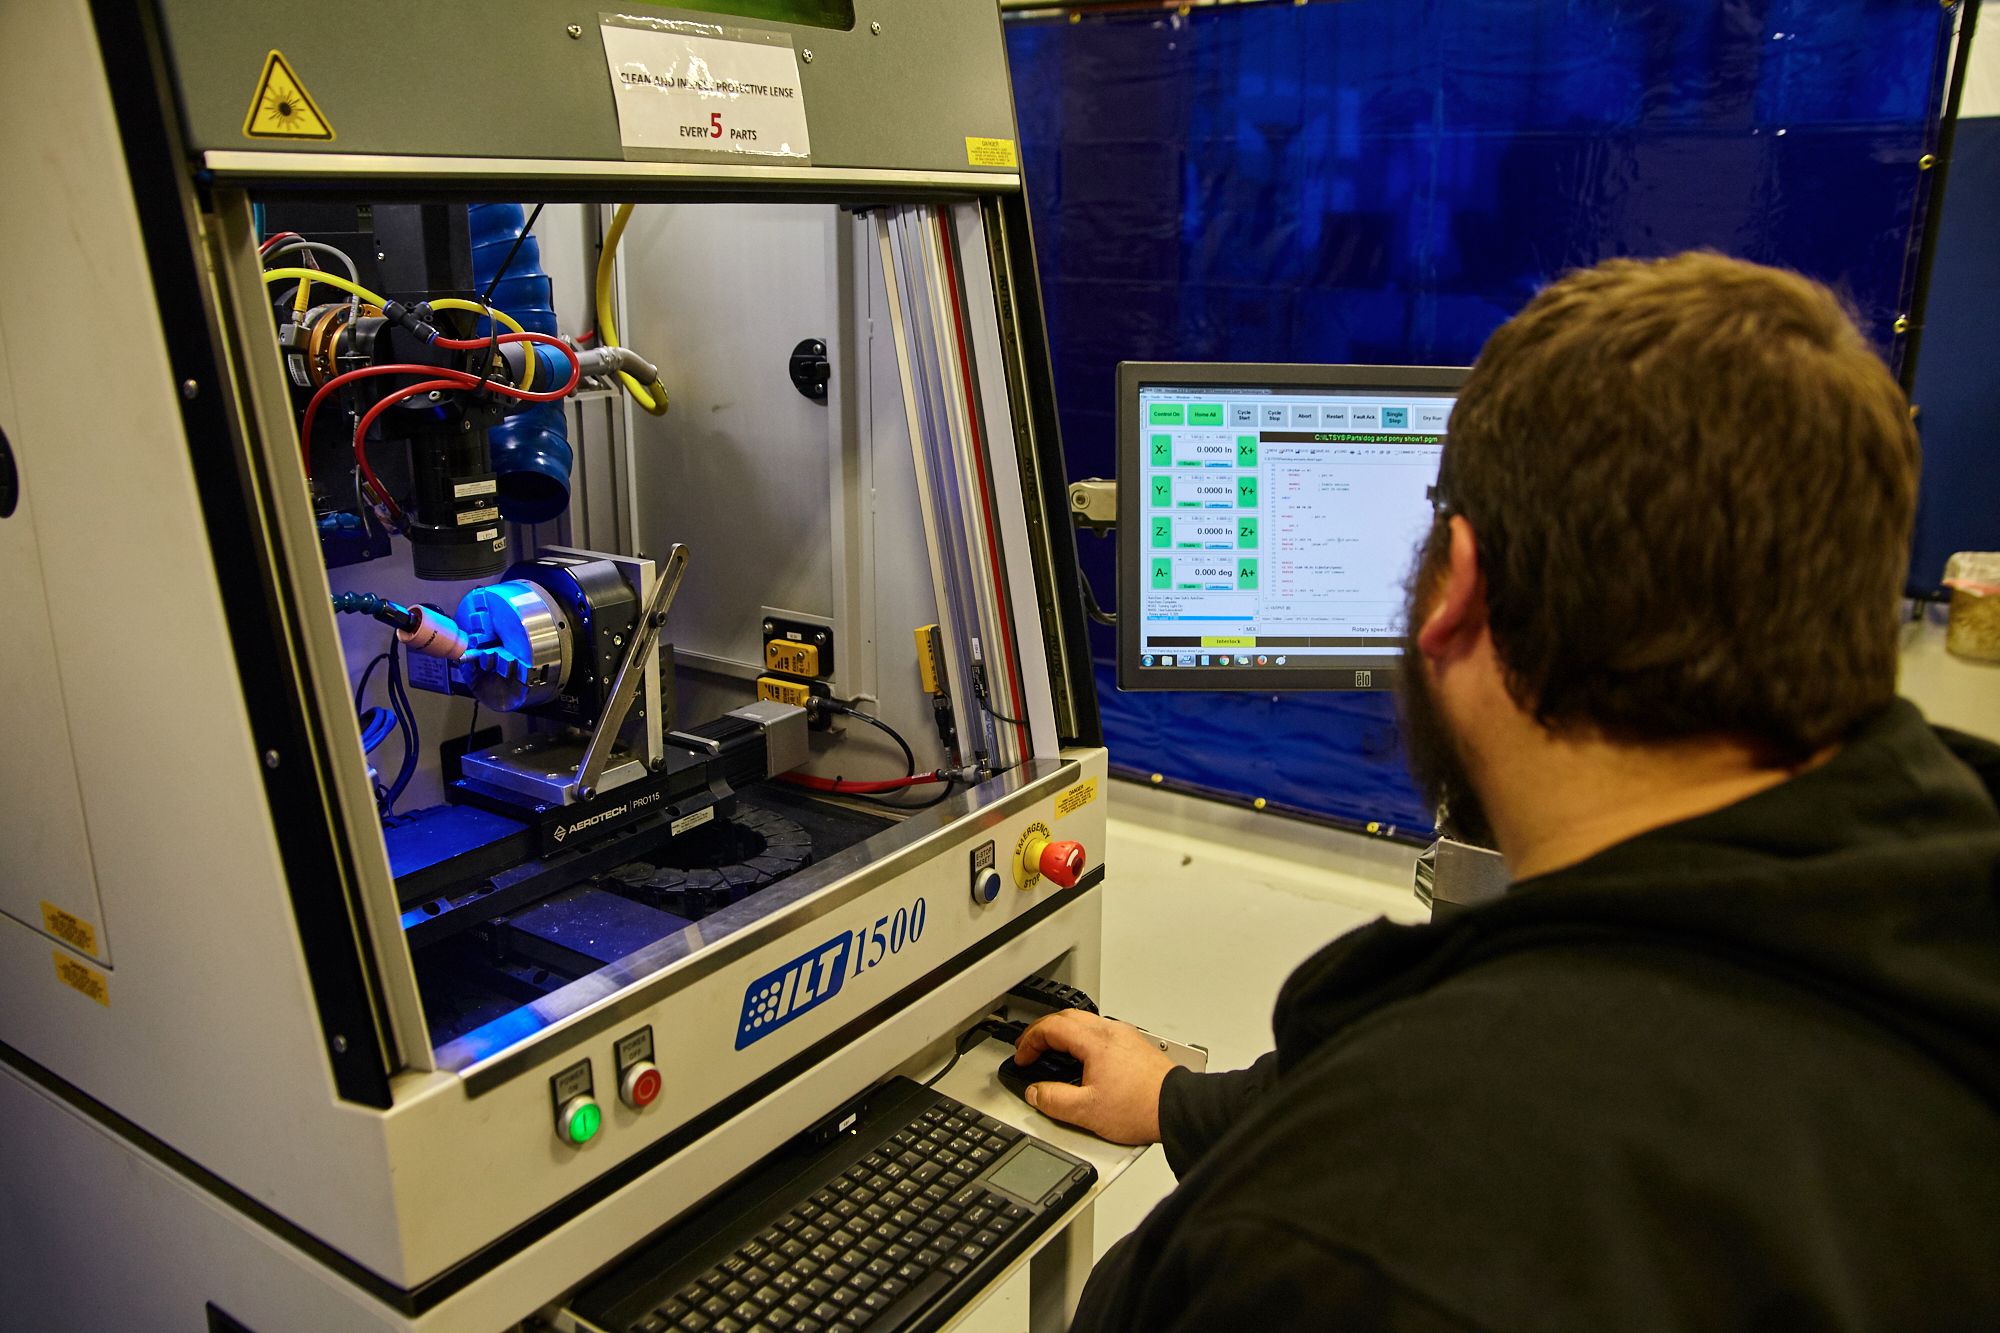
1053 1067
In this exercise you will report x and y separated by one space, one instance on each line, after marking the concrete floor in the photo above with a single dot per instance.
1207 909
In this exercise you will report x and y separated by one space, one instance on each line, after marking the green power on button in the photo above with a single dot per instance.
580 1120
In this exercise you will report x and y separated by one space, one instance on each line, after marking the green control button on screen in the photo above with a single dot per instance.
1205 414
1166 414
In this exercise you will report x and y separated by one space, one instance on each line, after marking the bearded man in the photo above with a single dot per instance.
1727 1054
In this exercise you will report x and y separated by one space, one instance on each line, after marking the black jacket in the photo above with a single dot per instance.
1739 1072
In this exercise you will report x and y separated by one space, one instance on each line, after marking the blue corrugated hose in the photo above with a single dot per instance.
531 453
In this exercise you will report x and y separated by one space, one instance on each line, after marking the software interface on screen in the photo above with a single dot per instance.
1280 523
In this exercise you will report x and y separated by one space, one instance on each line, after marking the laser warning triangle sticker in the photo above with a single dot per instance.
281 108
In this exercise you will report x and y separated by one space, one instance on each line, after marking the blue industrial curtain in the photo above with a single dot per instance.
1385 182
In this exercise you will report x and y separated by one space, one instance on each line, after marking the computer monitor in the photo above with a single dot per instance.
1267 519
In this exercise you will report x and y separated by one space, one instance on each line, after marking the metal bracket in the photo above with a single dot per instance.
810 369
1093 504
631 670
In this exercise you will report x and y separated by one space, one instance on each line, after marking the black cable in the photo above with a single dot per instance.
361 693
399 702
361 690
979 693
909 755
909 763
965 1041
493 354
501 272
994 1026
997 715
950 786
475 721
949 1065
1090 602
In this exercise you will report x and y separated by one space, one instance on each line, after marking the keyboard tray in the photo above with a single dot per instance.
893 1225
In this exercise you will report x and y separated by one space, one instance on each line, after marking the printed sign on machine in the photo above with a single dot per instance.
695 87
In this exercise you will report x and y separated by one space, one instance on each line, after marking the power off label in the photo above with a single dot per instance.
635 1046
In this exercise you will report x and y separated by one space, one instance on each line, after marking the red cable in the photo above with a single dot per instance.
361 435
467 344
447 379
860 788
347 377
461 379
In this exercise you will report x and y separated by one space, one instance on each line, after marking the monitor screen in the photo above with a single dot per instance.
1268 517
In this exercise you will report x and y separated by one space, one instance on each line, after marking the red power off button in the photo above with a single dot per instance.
640 1085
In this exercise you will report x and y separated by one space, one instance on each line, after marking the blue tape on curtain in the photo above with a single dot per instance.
1386 182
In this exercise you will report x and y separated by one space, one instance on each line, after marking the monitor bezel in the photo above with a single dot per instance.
1135 375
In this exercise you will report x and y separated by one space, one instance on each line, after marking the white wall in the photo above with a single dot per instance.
1982 76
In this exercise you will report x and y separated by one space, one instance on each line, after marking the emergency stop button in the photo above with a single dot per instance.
1041 855
1062 862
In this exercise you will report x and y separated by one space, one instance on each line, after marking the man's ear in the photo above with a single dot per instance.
1457 615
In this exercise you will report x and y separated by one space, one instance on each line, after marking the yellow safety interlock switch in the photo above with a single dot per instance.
773 690
794 659
930 669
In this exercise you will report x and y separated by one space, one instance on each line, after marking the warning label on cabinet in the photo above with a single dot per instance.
83 978
71 929
281 108
699 88
1077 797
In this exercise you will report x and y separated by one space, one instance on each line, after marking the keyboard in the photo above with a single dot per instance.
893 1225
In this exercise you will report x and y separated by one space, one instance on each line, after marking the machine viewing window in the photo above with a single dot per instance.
835 14
1267 517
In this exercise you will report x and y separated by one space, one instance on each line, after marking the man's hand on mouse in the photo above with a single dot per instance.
1119 1098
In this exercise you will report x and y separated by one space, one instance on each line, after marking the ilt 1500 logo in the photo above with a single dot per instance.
816 976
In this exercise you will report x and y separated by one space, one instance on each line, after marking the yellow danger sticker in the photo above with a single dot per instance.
83 978
1077 797
991 153
71 929
281 108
